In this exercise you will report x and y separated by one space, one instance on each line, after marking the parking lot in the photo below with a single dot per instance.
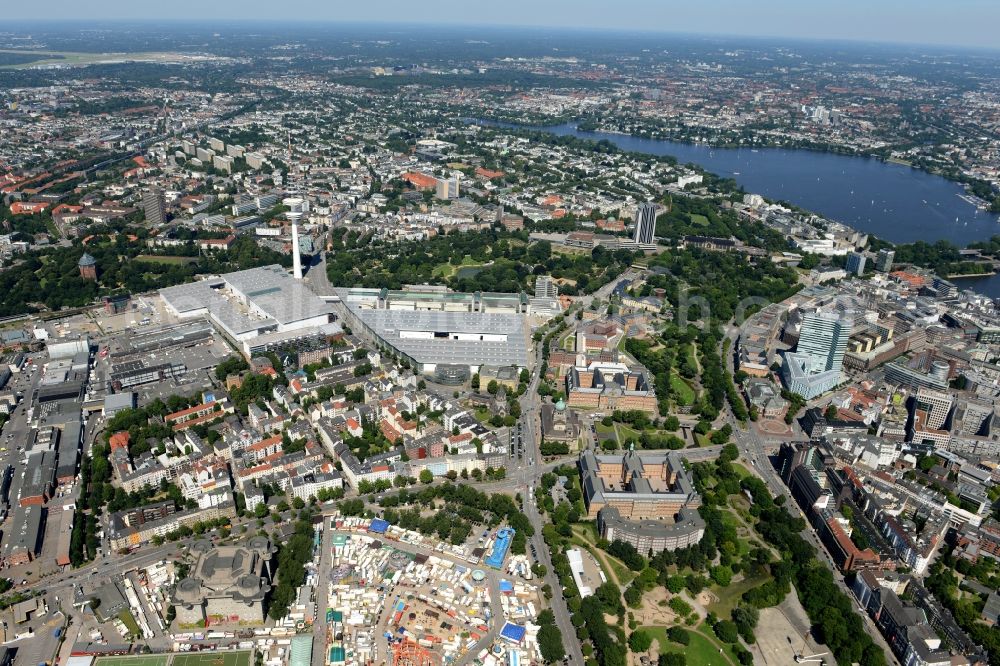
143 312
80 324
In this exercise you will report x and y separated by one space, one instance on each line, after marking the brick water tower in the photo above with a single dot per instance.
88 267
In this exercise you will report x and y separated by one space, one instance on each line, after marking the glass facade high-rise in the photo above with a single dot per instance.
815 366
645 223
823 340
856 263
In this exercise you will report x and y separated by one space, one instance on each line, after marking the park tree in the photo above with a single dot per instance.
872 656
679 635
675 584
729 453
745 617
726 631
640 641
722 575
550 643
610 597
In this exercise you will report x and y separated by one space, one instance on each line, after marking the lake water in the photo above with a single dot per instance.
988 285
468 272
891 201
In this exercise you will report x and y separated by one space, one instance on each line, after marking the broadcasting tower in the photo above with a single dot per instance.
294 215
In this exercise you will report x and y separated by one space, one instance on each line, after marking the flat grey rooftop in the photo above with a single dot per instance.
440 348
277 293
279 299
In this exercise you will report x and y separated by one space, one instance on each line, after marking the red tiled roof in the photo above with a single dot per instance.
119 440
420 180
189 410
488 173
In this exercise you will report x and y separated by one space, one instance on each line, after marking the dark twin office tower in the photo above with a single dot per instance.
645 223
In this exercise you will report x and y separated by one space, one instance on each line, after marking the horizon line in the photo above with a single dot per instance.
330 22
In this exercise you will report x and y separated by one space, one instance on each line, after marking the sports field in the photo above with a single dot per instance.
227 658
135 660
204 658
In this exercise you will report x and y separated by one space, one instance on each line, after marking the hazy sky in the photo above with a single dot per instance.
960 22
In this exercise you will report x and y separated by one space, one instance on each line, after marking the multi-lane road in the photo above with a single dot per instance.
522 478
753 448
319 657
531 425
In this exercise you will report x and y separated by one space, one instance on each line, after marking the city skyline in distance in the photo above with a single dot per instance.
967 23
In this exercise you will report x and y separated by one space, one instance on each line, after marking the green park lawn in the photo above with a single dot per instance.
482 415
586 531
682 390
446 270
619 432
605 432
690 355
740 470
701 651
626 433
619 571
167 260
729 597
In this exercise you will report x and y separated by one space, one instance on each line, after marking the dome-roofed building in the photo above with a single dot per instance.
88 267
559 424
